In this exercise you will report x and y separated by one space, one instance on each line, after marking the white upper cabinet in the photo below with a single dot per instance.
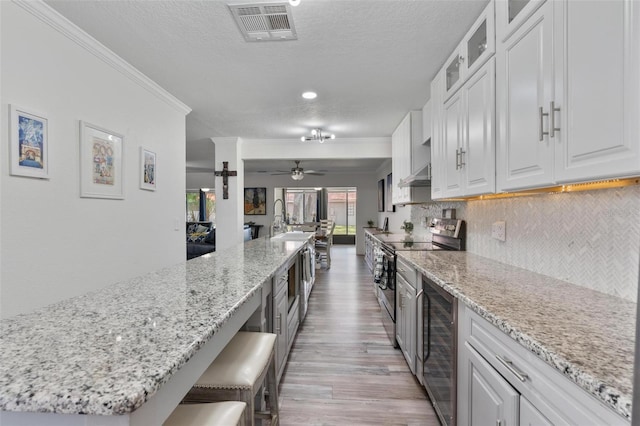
524 92
567 91
467 153
463 117
437 162
477 157
477 46
405 142
597 80
452 140
426 121
511 14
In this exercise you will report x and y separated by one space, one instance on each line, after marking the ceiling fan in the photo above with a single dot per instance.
297 172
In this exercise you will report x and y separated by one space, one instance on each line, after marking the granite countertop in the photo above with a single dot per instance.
586 335
109 351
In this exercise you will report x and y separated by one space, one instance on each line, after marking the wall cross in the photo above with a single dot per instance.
225 173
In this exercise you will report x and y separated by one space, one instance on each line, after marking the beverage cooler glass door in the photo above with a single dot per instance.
439 344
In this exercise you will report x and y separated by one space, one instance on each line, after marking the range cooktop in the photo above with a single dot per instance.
444 234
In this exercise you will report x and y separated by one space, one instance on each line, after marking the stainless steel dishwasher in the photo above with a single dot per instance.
440 315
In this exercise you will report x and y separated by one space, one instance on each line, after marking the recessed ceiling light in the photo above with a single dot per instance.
309 95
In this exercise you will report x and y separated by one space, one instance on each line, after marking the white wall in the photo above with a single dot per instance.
199 180
365 184
54 244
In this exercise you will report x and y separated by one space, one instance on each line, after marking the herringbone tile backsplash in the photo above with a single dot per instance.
589 238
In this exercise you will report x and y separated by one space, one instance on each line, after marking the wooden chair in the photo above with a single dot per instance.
324 242
238 374
228 413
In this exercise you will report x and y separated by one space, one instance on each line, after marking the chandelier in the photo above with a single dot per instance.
317 135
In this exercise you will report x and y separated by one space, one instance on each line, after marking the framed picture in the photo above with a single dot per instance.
147 169
255 201
101 163
29 141
390 206
381 195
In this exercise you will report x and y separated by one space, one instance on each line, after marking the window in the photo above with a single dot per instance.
301 205
201 206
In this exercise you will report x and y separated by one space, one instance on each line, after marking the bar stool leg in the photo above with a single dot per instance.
273 395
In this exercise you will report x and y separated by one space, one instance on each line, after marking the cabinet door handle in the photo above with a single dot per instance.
552 118
418 350
457 159
509 365
279 326
462 163
541 132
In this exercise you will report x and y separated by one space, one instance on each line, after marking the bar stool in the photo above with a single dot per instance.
228 413
237 374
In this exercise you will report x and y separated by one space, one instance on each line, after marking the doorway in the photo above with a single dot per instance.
304 205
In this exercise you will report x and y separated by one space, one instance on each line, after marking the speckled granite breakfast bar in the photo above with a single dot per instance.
109 351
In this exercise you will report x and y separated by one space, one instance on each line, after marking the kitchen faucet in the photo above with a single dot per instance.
277 224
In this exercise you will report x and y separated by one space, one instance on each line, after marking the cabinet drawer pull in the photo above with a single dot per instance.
552 118
541 132
509 365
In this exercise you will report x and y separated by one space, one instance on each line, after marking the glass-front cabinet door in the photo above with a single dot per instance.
453 72
480 41
511 14
476 48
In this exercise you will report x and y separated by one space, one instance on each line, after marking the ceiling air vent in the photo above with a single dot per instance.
264 22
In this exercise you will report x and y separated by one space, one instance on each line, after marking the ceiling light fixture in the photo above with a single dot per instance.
297 175
316 135
294 2
309 95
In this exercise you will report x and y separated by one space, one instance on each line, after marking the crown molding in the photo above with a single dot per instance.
55 20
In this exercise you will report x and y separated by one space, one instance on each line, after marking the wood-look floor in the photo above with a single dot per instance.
342 369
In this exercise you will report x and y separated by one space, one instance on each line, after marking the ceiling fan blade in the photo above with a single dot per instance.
311 172
280 173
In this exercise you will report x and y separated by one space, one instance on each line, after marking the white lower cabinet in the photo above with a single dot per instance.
280 326
502 383
406 321
406 312
488 398
530 416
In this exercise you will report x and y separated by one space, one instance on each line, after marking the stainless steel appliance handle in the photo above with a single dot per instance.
552 118
541 132
420 293
428 316
509 366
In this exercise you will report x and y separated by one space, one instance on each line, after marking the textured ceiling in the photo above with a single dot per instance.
370 61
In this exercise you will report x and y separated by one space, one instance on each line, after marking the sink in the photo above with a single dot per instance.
293 236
